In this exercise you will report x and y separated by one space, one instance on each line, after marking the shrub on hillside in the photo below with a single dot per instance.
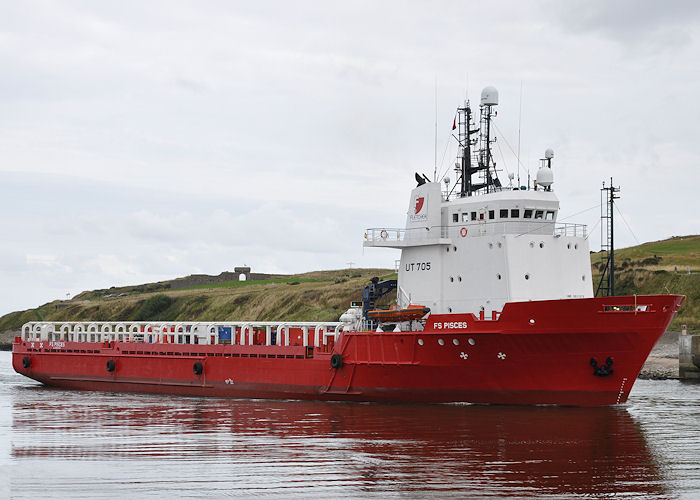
153 307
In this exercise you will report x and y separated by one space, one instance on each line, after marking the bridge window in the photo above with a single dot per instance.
492 214
455 217
515 213
503 214
465 217
473 215
550 215
539 214
527 213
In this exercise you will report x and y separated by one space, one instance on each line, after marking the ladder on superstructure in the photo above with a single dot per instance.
606 285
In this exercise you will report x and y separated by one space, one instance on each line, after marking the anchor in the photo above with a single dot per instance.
602 370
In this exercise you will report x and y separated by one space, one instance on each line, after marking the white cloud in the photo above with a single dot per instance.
46 262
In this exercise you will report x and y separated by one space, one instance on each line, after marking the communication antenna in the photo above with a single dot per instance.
436 120
520 115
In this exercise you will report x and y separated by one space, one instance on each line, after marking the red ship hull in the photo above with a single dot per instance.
539 352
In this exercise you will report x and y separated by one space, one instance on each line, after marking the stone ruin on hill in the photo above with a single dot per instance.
205 279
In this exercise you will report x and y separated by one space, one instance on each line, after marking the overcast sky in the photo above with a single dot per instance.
143 141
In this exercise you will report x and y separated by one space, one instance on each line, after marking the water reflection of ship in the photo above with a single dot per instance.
417 448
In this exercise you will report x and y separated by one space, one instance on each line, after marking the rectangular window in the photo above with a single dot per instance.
527 213
473 215
503 214
492 214
539 214
465 217
515 213
550 215
455 217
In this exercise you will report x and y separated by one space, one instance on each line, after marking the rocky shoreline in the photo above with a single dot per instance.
6 339
662 363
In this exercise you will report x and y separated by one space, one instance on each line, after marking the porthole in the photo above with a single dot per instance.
498 276
455 341
576 246
583 277
499 244
532 244
471 341
420 341
527 276
532 321
490 245
568 245
452 279
454 248
447 249
541 244
449 309
441 342
459 278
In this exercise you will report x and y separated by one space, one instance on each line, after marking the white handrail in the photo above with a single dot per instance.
181 331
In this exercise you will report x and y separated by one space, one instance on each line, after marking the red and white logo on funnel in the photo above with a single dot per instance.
419 204
418 210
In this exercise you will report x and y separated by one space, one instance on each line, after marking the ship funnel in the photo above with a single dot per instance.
489 96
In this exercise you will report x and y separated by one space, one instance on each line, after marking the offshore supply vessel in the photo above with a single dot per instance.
494 304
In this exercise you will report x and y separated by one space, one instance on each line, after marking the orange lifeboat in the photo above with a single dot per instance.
397 315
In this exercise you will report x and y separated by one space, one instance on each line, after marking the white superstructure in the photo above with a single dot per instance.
490 245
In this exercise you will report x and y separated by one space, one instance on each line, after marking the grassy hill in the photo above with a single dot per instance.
319 295
660 267
651 268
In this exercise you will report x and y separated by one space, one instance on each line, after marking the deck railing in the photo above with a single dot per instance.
386 235
184 332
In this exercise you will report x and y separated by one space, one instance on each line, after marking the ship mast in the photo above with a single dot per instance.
607 239
466 142
484 159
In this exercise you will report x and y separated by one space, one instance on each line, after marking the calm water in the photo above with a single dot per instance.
73 444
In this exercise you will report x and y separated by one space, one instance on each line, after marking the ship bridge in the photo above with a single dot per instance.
474 254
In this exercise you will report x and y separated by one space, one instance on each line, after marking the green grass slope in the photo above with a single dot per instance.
319 296
660 267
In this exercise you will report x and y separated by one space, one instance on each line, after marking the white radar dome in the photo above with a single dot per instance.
545 177
549 153
489 96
